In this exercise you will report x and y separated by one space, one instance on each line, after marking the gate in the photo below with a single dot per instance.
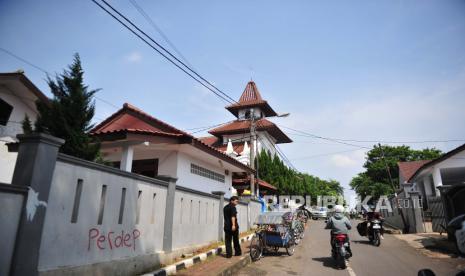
435 214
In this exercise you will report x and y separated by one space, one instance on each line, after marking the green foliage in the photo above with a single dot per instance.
290 182
70 112
27 125
375 180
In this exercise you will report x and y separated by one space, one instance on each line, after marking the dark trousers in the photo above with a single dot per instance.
232 236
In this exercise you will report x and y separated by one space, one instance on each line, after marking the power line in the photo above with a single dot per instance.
186 68
200 129
158 29
325 138
338 140
284 157
324 154
25 61
48 74
98 120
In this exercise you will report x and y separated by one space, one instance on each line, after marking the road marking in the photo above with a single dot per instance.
350 270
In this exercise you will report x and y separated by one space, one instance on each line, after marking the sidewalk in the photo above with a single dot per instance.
220 265
430 244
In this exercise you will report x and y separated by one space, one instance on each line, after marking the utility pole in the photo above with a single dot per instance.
406 226
253 139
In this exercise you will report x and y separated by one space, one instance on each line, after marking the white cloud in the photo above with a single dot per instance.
340 160
134 57
424 111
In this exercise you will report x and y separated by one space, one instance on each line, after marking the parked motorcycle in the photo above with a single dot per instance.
374 232
457 228
341 250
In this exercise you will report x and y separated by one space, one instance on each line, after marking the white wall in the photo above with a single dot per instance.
21 107
9 220
200 183
72 244
195 219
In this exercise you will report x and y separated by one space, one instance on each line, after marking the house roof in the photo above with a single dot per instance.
243 126
130 119
438 160
251 98
261 182
21 78
407 169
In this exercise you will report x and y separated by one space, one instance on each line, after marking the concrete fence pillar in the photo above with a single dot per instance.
169 213
220 214
415 206
34 168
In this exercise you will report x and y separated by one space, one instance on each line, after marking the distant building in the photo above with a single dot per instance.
18 96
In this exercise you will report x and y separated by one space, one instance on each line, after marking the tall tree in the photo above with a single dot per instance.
290 182
380 162
70 112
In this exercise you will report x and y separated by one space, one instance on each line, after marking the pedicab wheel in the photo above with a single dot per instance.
256 248
290 247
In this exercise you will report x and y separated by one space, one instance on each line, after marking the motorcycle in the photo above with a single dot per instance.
374 232
341 250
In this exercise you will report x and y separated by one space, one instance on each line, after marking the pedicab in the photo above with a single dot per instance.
274 231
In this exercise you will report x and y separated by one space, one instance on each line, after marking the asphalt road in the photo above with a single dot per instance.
312 257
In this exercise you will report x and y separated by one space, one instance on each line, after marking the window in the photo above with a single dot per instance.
195 169
5 112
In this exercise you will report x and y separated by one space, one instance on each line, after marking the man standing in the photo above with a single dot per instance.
231 228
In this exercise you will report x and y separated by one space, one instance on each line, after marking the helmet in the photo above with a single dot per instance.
339 209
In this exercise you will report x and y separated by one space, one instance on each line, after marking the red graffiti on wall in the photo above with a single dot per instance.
111 240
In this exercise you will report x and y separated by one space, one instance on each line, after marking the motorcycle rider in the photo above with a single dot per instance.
339 224
376 215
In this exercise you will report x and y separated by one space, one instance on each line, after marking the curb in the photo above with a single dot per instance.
176 267
244 261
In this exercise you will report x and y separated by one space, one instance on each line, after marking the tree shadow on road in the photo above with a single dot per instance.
327 261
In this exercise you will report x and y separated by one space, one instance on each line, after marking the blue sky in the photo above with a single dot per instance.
392 70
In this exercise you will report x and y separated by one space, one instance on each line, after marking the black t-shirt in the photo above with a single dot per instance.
229 211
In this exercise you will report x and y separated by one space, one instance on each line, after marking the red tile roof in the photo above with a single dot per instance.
251 98
250 93
130 119
243 126
438 160
209 140
408 169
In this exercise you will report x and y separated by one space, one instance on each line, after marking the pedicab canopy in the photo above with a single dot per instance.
277 217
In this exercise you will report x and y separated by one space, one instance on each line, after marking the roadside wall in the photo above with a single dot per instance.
70 216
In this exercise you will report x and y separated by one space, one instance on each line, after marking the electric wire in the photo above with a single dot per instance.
186 68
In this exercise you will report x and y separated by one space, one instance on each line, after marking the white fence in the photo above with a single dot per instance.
95 219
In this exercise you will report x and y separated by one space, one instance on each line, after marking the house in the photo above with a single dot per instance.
18 96
234 138
137 142
445 177
431 192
